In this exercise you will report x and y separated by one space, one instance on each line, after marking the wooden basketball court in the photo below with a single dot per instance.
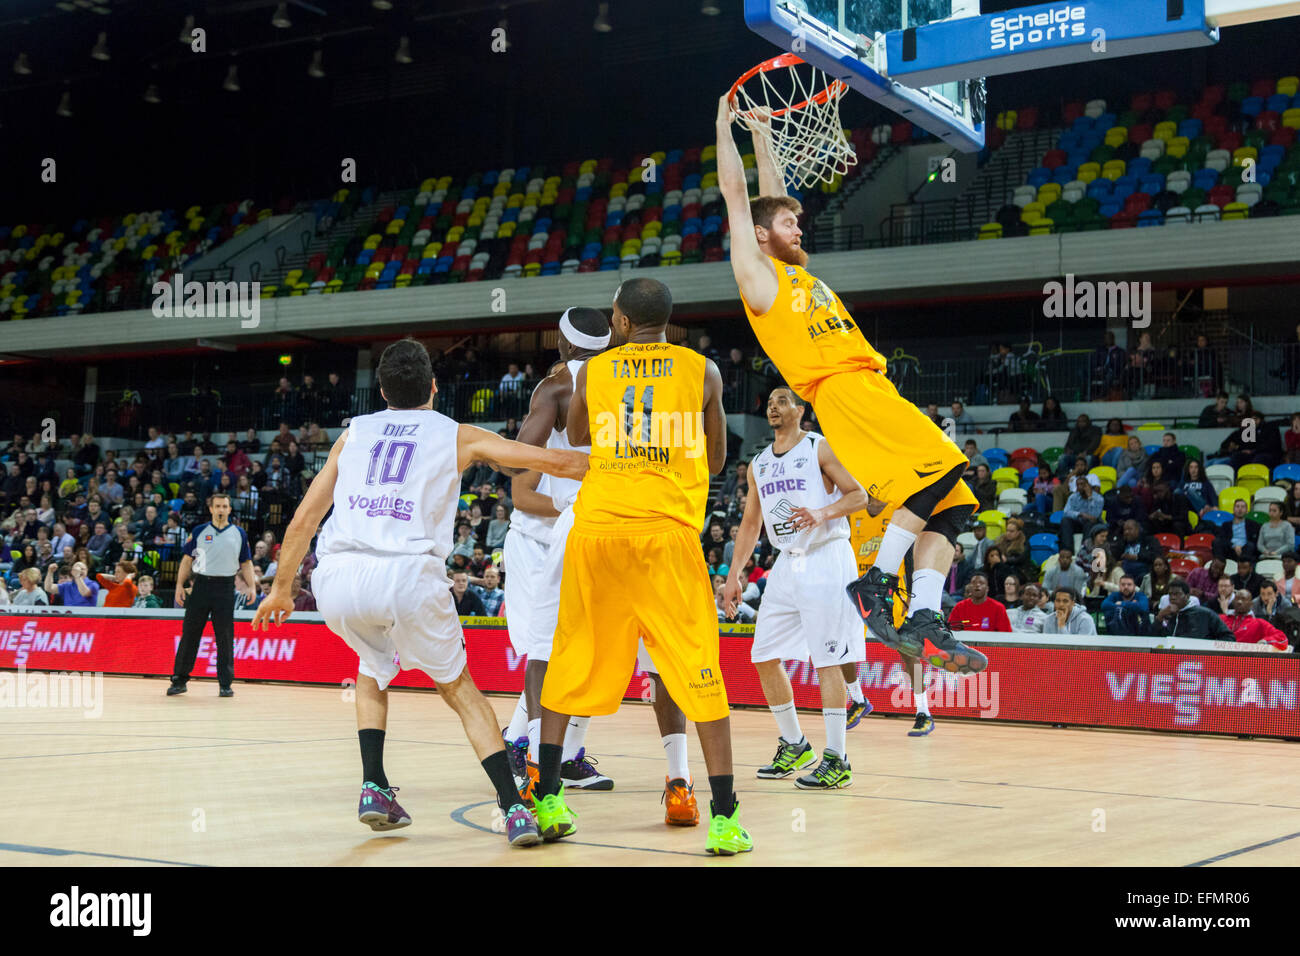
272 777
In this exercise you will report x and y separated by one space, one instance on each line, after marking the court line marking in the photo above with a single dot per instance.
58 851
1121 793
1245 849
153 750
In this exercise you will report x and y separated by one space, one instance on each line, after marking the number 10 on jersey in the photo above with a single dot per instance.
389 462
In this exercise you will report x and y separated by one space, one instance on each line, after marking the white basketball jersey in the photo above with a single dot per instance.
792 480
533 525
564 491
397 486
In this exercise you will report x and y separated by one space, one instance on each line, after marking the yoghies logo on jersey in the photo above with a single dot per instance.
385 506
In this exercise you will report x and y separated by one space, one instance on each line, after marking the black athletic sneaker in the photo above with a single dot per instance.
175 689
922 726
226 692
873 595
951 654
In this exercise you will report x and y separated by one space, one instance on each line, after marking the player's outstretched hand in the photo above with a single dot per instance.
724 111
805 520
730 597
274 610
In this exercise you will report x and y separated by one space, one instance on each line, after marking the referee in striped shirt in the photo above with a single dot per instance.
216 555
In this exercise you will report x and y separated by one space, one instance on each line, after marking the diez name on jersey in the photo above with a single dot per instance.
399 430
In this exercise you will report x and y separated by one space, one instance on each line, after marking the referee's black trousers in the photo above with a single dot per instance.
215 598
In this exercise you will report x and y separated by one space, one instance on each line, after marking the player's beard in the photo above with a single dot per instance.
788 253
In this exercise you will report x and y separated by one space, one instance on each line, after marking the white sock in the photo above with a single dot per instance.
675 751
894 546
535 739
922 702
835 718
855 691
574 737
927 590
518 721
787 721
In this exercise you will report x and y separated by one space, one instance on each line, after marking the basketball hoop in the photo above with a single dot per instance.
807 138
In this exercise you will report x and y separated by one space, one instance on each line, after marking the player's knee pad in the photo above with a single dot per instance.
923 503
950 522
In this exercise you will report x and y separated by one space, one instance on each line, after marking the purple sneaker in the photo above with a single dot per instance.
521 827
379 810
517 754
581 774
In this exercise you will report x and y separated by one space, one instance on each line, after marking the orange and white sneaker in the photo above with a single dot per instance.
534 774
679 803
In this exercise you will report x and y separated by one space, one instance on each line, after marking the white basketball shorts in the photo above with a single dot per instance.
805 614
392 606
524 557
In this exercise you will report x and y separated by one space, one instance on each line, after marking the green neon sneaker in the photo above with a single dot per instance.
554 818
726 836
789 758
833 773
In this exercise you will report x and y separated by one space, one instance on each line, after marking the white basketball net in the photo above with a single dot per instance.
807 138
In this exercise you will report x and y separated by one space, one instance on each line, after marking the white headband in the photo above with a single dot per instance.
581 339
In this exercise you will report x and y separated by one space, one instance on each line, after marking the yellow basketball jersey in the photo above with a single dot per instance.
808 333
649 456
865 535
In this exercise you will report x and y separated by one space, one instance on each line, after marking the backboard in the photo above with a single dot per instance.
846 39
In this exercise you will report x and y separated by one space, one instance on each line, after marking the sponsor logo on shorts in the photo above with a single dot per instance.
385 506
707 680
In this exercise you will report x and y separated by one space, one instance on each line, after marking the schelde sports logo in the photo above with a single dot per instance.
385 506
1015 31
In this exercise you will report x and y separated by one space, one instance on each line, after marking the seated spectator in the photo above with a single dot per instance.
144 593
714 562
69 485
1024 419
490 593
29 592
979 612
1156 582
1082 443
974 458
1069 484
1040 493
985 488
1104 574
73 587
1011 591
251 444
1127 611
998 569
120 586
1082 509
478 525
1052 417
1249 629
464 545
1135 550
1171 457
478 562
1168 513
1204 581
1246 576
1132 463
1224 593
1273 538
1234 537
1257 442
303 599
468 603
965 425
954 585
1028 615
1271 602
1114 436
1218 414
1066 574
1068 615
236 462
1122 505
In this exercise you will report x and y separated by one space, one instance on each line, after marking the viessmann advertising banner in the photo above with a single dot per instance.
1252 694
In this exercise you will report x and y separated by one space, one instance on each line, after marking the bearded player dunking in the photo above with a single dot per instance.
885 442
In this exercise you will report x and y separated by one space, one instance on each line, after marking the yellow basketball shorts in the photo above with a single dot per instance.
619 586
886 442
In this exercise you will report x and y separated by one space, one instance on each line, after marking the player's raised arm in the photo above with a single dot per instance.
746 539
313 508
715 419
770 180
754 273
853 496
578 426
479 444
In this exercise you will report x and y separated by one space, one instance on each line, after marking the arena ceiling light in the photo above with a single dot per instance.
231 84
65 104
710 8
151 94
280 19
381 4
601 23
100 50
403 54
317 68
21 66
